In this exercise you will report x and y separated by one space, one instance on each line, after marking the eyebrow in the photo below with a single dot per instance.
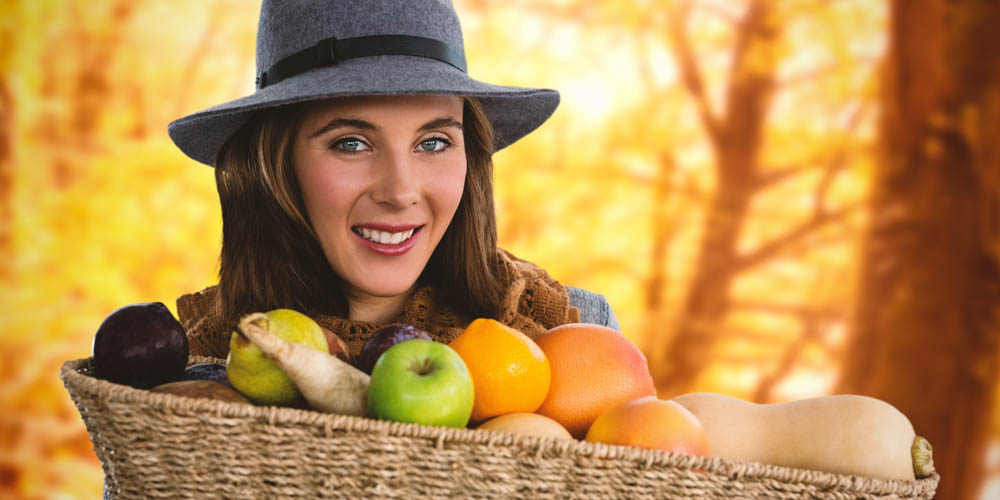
440 123
336 123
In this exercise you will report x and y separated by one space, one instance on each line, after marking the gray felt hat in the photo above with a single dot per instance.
315 49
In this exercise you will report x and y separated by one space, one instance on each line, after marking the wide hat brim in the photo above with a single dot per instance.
512 111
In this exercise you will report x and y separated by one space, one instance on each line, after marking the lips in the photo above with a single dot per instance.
387 239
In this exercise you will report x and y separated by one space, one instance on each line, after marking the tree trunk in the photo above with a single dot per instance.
925 330
662 232
736 141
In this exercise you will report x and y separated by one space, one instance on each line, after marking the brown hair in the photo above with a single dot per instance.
272 258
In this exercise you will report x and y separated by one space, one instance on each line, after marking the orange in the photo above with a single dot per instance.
509 371
528 424
649 422
593 369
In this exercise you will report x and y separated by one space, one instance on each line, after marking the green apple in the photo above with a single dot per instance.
421 381
255 376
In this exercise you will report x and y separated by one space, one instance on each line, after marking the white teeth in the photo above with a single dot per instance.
386 238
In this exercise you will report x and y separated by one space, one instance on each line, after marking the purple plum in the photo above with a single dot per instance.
385 338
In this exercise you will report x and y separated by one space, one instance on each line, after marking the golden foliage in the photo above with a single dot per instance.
100 210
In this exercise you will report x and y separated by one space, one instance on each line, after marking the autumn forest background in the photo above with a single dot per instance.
779 199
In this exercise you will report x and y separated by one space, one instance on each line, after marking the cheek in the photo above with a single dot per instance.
449 188
327 193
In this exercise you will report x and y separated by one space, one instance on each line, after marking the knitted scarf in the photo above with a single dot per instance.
533 303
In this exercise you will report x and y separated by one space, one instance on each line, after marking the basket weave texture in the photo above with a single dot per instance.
154 445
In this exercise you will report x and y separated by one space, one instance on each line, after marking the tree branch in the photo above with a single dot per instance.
779 244
767 383
802 311
689 70
838 162
776 175
687 188
819 72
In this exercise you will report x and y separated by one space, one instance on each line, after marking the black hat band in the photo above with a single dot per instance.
331 51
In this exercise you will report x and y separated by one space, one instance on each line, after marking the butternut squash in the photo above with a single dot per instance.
845 434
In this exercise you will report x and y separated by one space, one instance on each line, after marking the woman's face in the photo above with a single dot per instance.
381 178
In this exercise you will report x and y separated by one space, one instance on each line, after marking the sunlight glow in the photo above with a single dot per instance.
803 384
590 97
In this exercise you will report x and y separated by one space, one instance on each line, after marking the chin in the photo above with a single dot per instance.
387 289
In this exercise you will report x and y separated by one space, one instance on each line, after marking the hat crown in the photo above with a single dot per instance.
287 26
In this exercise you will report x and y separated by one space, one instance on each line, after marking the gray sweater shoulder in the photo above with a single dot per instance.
594 308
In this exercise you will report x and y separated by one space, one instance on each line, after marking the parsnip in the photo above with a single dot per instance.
327 383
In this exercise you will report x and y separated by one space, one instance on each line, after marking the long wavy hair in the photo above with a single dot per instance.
271 256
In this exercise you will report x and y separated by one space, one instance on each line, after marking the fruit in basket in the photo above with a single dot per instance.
653 423
205 389
141 345
255 375
510 372
207 371
327 382
593 369
528 424
421 381
384 338
844 434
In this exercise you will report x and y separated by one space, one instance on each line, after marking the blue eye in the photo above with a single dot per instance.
434 145
349 145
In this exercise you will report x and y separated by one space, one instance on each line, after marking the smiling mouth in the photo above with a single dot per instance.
385 237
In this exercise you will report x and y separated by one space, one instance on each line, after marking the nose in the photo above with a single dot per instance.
396 184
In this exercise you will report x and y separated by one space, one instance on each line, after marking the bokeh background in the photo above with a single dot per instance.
779 199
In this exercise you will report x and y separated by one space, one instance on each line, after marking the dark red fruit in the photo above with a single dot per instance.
141 345
385 338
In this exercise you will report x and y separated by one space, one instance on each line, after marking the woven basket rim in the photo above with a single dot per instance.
77 376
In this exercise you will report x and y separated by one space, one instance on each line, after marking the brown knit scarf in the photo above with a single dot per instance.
533 303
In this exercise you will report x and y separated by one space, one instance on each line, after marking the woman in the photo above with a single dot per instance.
356 182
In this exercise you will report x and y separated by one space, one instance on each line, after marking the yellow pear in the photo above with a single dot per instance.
256 376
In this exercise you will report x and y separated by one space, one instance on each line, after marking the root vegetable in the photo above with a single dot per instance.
327 383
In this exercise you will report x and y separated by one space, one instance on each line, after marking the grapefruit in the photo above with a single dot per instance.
593 369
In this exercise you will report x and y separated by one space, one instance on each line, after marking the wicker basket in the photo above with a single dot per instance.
155 445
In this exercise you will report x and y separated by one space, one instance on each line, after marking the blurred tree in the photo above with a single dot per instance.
6 147
925 336
6 169
92 85
756 153
737 138
736 141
